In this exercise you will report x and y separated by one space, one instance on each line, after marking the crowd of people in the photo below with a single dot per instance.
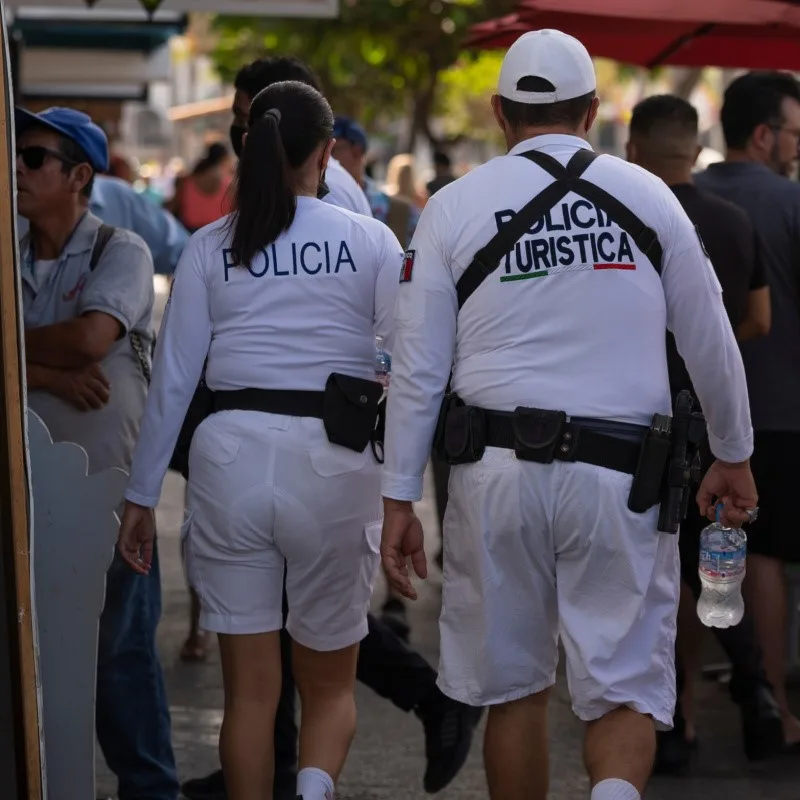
282 535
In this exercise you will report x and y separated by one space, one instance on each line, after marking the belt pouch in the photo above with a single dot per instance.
648 480
537 433
464 435
350 410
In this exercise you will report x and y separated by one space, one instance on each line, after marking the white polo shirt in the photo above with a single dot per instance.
344 191
308 305
573 320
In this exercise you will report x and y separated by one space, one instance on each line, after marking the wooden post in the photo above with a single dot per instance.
14 472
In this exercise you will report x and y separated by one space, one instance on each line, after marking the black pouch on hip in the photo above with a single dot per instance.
537 433
201 406
464 434
651 469
350 410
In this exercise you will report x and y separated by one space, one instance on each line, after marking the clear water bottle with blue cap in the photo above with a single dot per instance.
383 363
723 552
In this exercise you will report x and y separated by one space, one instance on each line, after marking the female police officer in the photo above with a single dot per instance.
283 299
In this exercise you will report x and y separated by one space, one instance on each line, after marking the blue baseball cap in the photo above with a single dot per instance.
346 128
74 125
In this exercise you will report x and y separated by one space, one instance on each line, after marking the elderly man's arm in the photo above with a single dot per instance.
115 298
73 344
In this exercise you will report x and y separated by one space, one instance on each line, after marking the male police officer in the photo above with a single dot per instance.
567 313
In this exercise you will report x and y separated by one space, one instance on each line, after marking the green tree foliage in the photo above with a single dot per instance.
380 58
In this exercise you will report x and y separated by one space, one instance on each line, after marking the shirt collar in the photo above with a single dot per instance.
737 168
547 140
81 241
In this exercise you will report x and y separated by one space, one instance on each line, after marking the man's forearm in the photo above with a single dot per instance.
65 345
38 377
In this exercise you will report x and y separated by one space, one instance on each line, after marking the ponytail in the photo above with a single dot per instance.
265 202
288 122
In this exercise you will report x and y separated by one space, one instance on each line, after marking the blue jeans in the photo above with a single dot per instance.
132 716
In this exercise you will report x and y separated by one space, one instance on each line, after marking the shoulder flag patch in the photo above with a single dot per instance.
408 265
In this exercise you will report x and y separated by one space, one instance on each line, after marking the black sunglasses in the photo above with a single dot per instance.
34 156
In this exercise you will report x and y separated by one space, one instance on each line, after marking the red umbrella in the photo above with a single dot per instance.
723 33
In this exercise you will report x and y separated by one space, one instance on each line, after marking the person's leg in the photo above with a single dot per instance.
499 623
690 636
132 715
772 542
441 479
251 673
326 683
195 648
766 594
619 751
515 749
286 734
618 585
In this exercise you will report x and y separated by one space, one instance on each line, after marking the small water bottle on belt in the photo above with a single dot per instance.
383 363
722 568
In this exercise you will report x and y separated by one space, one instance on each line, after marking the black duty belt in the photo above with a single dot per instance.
291 402
575 440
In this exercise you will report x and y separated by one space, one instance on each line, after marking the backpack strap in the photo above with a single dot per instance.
104 235
567 179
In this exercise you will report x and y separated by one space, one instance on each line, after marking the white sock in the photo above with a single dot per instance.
314 784
615 789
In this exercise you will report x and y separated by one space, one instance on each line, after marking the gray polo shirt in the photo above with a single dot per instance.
772 363
122 287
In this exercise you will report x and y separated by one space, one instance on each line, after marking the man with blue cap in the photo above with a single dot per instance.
87 293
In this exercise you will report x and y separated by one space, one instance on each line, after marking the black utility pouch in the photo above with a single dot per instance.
201 406
464 435
350 410
449 402
537 433
648 480
379 435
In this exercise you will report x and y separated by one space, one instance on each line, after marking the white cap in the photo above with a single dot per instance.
552 55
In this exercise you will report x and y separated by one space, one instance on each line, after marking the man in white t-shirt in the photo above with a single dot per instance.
541 285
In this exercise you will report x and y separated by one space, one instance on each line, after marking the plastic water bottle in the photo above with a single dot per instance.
723 552
383 363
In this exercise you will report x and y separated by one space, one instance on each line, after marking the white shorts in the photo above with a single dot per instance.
265 490
534 550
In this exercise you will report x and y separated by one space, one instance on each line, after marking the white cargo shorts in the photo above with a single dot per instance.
267 489
534 551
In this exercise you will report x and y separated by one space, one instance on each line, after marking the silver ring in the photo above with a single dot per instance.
752 513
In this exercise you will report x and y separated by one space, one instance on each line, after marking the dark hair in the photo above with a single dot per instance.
441 159
755 99
288 120
544 115
216 154
664 111
71 150
276 69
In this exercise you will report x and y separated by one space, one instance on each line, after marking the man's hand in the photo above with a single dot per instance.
734 487
402 539
87 389
136 536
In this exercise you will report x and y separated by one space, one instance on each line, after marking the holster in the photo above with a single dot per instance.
350 410
460 433
654 458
